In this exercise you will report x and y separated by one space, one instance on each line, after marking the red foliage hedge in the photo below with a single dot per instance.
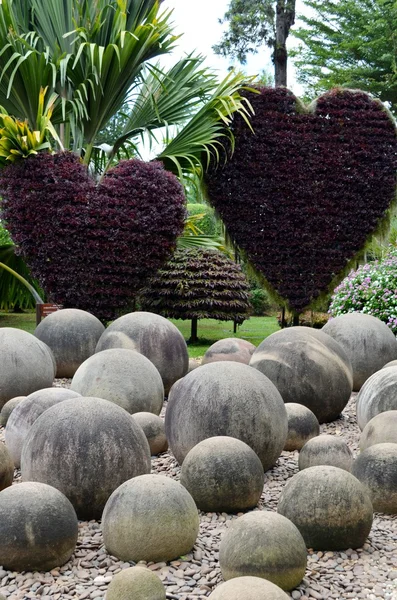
302 195
92 246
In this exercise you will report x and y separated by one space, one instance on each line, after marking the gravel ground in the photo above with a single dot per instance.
367 573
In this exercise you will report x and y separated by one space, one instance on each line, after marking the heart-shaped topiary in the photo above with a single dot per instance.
92 246
302 196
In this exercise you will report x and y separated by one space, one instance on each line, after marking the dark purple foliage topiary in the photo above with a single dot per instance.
303 194
92 246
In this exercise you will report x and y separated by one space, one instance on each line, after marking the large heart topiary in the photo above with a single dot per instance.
92 246
303 194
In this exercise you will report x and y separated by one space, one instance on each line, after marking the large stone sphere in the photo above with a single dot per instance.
223 474
151 518
329 506
377 395
307 367
7 409
154 430
153 336
369 343
26 364
381 429
326 450
264 544
124 377
38 528
136 583
303 425
392 363
6 468
72 335
226 398
85 447
26 413
376 468
248 588
233 349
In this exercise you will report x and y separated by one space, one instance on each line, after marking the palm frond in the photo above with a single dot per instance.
17 288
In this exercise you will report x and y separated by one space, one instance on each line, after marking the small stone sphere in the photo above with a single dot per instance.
326 450
72 335
151 518
302 426
136 583
194 363
368 342
124 377
233 349
264 544
153 336
307 367
223 474
376 468
6 468
248 588
85 447
381 429
378 395
38 528
26 364
26 413
226 399
154 430
329 506
8 408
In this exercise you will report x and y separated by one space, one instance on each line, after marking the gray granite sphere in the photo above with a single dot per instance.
227 399
307 367
150 518
326 450
7 409
154 430
302 426
72 335
38 528
153 336
122 376
369 343
381 429
376 468
223 474
233 349
26 364
264 544
26 413
85 447
377 395
136 583
6 468
329 506
248 588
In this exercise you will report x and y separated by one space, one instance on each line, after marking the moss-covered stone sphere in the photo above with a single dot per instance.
302 426
326 450
329 506
377 395
376 468
233 349
248 588
6 468
154 430
7 409
136 583
382 429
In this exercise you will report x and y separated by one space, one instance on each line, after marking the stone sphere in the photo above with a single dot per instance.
153 336
223 474
26 413
26 364
248 588
151 518
124 377
307 368
369 343
392 363
329 506
376 468
233 349
302 426
381 429
8 408
6 468
327 450
38 528
227 399
136 583
194 363
264 544
72 335
85 447
377 395
154 430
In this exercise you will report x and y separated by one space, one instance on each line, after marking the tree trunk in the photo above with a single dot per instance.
285 18
193 331
295 321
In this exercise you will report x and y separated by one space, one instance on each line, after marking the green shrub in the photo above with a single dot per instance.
260 302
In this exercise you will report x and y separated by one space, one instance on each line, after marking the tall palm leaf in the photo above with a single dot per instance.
17 288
